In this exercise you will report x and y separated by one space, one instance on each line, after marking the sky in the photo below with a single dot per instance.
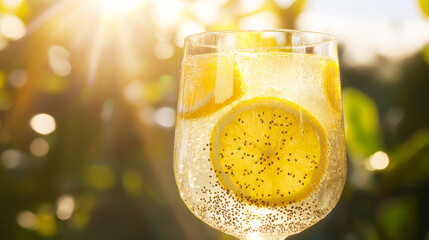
367 8
393 29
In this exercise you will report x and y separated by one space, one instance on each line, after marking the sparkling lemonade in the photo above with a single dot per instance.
259 145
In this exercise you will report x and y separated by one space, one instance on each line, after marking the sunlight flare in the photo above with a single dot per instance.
117 7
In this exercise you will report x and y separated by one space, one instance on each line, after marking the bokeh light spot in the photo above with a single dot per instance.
132 182
61 68
27 219
39 147
134 91
379 160
43 123
12 27
57 51
17 78
99 177
165 117
59 60
164 50
11 158
65 207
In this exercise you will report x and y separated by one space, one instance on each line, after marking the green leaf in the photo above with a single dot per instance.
397 218
411 156
361 122
424 6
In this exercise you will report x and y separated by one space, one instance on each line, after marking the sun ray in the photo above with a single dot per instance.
89 35
47 15
96 51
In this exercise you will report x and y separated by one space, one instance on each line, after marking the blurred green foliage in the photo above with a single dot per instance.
361 124
397 218
106 172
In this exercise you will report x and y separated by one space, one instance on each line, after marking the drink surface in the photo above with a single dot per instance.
259 145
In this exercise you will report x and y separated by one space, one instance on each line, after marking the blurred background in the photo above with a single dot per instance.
87 111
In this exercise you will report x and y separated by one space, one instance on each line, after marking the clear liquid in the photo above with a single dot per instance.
297 78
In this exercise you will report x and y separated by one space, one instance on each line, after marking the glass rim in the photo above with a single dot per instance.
327 38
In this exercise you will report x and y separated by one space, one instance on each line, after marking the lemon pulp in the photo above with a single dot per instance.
268 152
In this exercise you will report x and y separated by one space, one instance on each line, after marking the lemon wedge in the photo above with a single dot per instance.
210 82
332 85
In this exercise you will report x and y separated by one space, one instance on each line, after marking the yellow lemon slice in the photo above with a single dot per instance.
332 85
269 152
210 82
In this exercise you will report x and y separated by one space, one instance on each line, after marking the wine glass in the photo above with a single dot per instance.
259 144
